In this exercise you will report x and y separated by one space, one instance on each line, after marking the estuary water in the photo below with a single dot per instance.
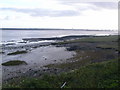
18 35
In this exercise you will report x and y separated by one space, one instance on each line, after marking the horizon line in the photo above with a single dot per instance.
55 29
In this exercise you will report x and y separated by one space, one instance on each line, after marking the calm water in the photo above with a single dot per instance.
17 35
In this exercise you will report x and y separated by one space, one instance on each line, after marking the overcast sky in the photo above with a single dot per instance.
58 14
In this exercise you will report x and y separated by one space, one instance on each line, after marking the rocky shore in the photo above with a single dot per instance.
58 38
68 54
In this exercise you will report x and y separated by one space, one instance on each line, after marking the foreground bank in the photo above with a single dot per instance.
98 75
94 66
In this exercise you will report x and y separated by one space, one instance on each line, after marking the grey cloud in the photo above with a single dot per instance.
107 5
44 12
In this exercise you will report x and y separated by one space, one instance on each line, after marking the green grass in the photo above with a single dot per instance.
113 38
106 46
13 63
97 75
100 39
17 52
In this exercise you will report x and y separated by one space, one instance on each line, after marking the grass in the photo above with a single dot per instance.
108 46
101 39
93 39
97 75
17 52
13 63
101 42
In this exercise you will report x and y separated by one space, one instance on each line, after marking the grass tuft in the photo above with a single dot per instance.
13 63
17 52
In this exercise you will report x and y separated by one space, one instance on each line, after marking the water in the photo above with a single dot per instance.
18 35
35 59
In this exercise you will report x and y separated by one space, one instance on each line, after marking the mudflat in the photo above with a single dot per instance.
92 59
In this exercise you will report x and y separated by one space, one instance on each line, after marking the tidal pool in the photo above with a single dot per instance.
35 59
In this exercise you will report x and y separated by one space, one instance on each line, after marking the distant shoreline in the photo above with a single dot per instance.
54 29
69 37
57 38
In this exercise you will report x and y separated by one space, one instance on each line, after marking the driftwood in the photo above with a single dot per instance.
63 85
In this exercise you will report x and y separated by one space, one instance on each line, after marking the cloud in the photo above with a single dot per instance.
64 13
107 5
61 8
44 12
5 18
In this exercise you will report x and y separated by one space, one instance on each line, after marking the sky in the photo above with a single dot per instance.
65 14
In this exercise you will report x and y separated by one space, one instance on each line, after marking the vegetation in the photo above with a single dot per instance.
17 52
13 63
92 39
95 65
108 46
97 75
89 50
